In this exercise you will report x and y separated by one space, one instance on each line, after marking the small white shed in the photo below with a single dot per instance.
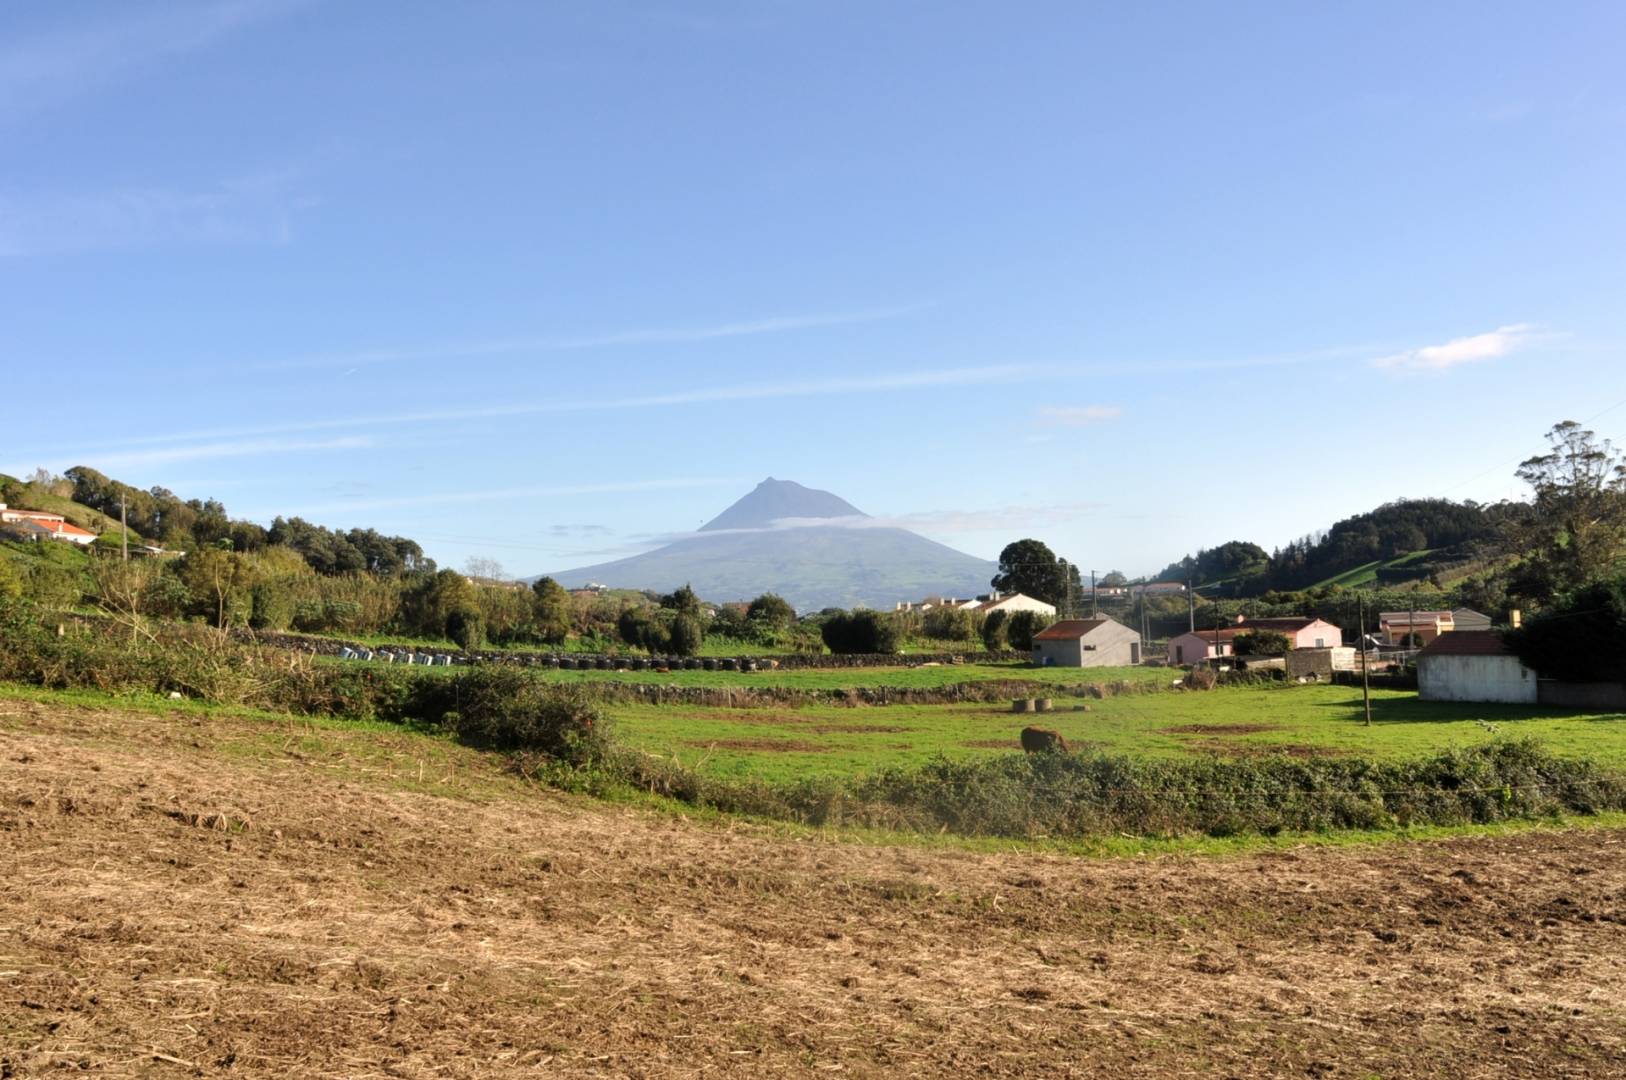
1473 665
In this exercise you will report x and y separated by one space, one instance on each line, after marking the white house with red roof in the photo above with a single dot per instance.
44 525
1473 665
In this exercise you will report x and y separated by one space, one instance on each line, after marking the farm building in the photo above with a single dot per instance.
1099 642
1427 625
1473 665
1302 632
1200 645
1469 619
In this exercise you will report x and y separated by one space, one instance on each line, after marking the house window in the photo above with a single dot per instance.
1321 643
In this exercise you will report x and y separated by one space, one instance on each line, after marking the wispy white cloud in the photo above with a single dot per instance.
1078 415
460 498
253 209
941 522
623 338
63 63
825 387
1464 350
168 455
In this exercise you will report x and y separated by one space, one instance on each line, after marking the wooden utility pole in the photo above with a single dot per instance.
1095 602
1191 608
1366 679
124 527
1143 622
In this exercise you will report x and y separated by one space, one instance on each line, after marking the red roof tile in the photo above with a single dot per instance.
1070 629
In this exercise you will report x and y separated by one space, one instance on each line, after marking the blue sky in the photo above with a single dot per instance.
540 281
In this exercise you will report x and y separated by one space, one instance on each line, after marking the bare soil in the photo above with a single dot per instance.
183 895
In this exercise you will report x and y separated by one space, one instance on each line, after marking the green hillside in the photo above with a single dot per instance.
23 495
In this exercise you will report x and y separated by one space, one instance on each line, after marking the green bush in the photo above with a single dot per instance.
861 631
949 624
1261 643
272 606
1583 638
1021 628
686 635
507 708
1081 795
467 628
993 631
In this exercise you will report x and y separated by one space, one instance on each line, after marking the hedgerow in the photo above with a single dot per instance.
561 734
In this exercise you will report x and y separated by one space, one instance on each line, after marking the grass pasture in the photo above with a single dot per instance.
199 891
920 677
785 744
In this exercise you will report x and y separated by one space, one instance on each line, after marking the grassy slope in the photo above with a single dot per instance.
1367 573
77 513
783 744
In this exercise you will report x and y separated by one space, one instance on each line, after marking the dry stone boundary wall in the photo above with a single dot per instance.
324 646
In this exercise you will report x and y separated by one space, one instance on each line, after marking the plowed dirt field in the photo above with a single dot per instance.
197 895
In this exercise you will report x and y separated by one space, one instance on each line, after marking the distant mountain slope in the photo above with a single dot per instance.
812 566
775 500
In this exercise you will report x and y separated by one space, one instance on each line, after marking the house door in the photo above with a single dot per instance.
1179 654
1134 652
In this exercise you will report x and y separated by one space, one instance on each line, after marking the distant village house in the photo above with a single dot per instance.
1396 626
1198 646
43 525
1011 603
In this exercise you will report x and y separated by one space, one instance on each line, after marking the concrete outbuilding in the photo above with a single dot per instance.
1099 642
1474 665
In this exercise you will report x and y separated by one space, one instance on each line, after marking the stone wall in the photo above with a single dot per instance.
1606 696
323 646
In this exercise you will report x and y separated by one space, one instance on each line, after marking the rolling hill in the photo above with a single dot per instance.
748 550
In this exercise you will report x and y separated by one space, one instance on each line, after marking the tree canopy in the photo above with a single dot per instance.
1582 639
1574 532
1031 568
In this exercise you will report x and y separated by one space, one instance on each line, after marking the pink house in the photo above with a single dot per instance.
1200 645
1302 633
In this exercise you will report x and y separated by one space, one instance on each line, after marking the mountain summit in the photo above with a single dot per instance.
775 500
739 554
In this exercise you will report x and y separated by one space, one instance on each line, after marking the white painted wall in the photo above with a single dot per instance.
1475 678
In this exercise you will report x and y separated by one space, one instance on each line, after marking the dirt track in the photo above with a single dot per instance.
184 896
